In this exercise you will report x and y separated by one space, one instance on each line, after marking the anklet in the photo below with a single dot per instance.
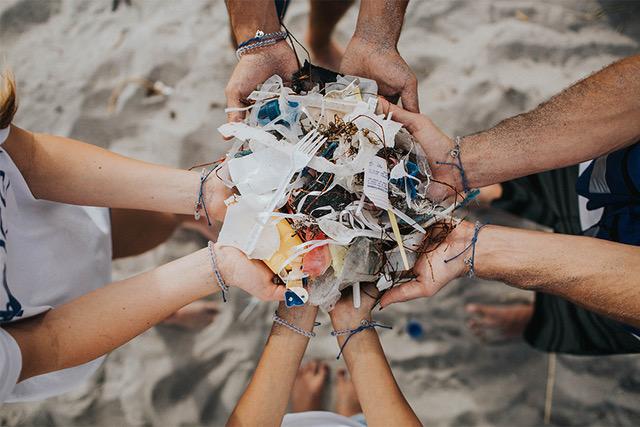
455 153
471 260
364 324
214 264
280 321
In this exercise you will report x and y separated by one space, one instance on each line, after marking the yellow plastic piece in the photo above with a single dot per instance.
288 239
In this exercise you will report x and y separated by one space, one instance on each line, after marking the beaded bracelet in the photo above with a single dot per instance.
260 40
214 265
280 321
364 324
471 260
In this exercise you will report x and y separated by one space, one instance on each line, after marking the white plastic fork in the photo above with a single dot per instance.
302 154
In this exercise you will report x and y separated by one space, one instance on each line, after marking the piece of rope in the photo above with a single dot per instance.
364 325
455 153
280 321
471 260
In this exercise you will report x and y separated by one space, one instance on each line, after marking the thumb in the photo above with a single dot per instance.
409 96
407 118
405 292
234 100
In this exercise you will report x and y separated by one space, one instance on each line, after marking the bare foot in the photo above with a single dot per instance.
327 55
306 394
347 403
495 323
196 315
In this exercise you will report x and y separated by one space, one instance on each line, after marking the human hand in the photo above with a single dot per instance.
432 273
254 68
250 275
446 180
383 64
216 192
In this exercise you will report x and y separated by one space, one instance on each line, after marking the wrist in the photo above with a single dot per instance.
341 321
378 43
247 32
303 318
457 241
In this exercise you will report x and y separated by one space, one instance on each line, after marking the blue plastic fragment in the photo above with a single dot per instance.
291 299
414 329
268 112
327 153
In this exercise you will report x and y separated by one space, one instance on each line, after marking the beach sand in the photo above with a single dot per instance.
477 62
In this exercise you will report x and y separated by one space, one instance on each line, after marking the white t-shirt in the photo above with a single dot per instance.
50 253
318 419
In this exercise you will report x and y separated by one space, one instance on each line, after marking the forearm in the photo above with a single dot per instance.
249 16
99 322
382 401
380 21
598 115
596 274
68 171
265 400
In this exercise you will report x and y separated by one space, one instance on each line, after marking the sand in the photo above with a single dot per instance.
477 62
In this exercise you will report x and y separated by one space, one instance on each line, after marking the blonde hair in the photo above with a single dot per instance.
8 99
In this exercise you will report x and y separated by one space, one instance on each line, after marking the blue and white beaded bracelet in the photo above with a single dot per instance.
260 40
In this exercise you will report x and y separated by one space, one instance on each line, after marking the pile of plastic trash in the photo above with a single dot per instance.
329 193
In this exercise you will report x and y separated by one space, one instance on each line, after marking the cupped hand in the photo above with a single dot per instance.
431 270
436 145
254 68
383 64
250 275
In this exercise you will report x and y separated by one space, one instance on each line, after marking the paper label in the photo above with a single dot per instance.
376 182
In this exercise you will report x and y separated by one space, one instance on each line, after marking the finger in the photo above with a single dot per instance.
409 96
400 115
404 292
234 100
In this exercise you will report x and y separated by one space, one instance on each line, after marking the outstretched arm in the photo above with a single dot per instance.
265 400
382 401
100 321
597 115
257 65
596 274
373 51
68 171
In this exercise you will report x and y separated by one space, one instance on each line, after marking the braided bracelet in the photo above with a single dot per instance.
280 321
260 40
455 153
200 199
364 324
214 265
471 260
